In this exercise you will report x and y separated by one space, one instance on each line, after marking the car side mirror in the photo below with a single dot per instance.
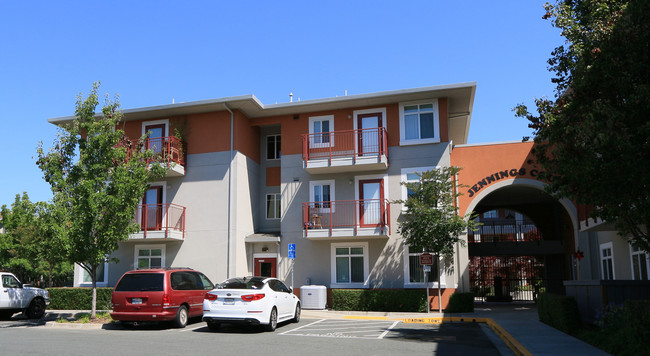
290 290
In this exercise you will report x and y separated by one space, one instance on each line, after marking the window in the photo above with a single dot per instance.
273 206
10 282
273 147
349 265
419 122
414 271
639 264
323 125
410 175
607 261
321 193
84 280
149 256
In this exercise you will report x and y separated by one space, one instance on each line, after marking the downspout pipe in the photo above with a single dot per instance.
232 120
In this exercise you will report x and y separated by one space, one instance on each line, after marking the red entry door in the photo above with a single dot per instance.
152 210
156 137
369 137
371 206
266 267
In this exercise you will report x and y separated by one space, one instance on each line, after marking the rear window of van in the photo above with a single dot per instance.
140 282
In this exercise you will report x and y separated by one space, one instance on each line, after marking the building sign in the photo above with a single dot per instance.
505 174
426 259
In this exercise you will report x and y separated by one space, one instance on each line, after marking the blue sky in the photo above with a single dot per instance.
153 52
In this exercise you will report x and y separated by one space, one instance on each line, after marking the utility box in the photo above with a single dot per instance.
313 297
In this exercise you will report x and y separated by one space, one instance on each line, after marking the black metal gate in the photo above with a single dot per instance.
507 278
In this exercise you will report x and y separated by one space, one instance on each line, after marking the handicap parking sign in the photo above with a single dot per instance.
292 251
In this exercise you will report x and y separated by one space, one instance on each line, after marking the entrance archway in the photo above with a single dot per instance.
525 243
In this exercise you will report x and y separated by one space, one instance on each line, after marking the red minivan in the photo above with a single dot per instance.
166 294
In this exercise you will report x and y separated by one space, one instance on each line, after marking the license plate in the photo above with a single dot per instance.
136 301
228 301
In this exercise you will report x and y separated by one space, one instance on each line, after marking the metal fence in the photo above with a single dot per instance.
507 278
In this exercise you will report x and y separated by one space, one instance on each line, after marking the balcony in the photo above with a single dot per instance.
504 232
168 151
345 151
160 222
346 218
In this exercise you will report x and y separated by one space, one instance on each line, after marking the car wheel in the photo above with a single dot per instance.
296 315
181 317
273 320
213 325
36 309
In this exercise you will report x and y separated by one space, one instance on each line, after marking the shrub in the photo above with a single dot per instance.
461 303
79 298
396 300
558 311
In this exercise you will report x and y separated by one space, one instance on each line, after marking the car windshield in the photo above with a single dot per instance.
242 283
140 282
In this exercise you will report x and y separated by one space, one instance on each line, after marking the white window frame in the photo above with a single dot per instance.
312 193
436 124
266 205
137 249
366 265
642 254
156 122
603 247
313 119
81 272
404 173
277 153
432 284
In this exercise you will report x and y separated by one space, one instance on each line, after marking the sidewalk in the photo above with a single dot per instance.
519 320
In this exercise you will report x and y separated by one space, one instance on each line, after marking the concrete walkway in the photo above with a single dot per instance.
520 321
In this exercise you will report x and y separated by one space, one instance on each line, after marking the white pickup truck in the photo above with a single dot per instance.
15 297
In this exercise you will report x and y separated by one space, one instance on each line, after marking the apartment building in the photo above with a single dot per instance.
245 180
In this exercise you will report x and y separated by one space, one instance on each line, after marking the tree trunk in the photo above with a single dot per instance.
438 273
93 307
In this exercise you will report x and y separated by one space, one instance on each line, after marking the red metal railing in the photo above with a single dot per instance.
346 143
503 232
161 217
167 150
353 214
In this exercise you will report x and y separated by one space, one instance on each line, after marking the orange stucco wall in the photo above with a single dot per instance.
484 165
273 175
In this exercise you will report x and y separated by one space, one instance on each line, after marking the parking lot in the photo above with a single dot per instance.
313 336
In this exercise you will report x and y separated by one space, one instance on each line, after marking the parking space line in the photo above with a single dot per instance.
387 330
304 326
194 328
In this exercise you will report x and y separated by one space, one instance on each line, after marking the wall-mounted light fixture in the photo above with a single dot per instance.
265 248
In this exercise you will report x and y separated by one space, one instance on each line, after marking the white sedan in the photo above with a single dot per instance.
250 300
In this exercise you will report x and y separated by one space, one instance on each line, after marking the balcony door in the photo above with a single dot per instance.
152 210
155 141
371 193
368 136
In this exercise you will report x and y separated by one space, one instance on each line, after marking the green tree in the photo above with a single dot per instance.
592 139
98 188
431 222
33 244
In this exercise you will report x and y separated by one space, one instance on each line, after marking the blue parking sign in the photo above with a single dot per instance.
292 251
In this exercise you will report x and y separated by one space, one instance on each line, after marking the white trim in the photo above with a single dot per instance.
329 118
312 197
156 122
406 171
366 265
604 246
80 276
137 248
644 254
266 206
432 284
436 124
